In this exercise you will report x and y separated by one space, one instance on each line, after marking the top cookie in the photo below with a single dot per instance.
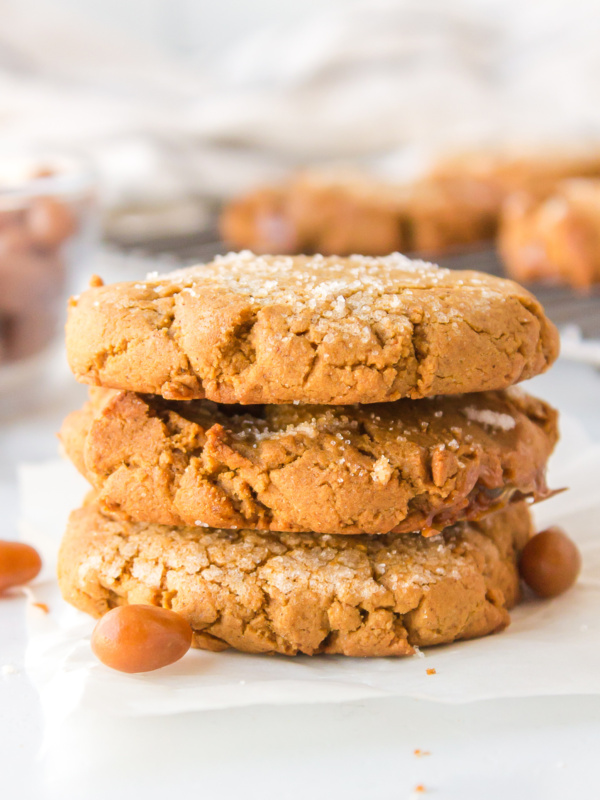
280 329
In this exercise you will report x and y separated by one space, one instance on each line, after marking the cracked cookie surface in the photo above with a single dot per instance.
387 467
277 329
302 593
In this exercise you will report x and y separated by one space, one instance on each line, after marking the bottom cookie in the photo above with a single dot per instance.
302 593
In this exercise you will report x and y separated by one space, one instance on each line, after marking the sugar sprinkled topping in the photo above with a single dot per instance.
348 292
488 417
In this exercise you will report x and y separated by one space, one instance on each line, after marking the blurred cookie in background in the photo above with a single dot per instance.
554 238
457 204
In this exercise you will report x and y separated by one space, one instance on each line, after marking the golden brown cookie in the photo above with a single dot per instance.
336 213
554 238
476 184
389 467
277 329
499 173
302 593
345 213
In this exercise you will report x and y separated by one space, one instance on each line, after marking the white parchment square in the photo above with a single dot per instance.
551 648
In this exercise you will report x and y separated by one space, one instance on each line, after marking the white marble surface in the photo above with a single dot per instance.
533 748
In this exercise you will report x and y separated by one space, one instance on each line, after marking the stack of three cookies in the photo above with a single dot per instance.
308 455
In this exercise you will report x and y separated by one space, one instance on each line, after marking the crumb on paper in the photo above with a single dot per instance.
431 671
420 753
418 652
30 595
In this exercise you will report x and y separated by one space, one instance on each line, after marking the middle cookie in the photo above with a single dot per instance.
384 468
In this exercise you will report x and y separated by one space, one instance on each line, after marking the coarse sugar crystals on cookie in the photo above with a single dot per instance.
296 593
276 329
411 465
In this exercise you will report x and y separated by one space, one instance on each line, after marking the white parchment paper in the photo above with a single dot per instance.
551 648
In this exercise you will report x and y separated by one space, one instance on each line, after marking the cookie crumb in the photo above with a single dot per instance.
96 281
431 671
43 606
419 753
382 471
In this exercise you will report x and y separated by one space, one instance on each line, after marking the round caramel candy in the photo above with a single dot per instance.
140 638
19 563
50 222
550 563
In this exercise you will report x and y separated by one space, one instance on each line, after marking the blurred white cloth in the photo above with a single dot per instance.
385 83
